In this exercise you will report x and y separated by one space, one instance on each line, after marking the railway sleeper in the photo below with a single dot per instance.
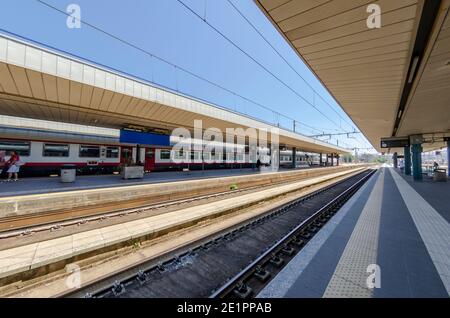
276 261
242 291
305 235
312 229
287 250
261 274
142 277
297 242
118 288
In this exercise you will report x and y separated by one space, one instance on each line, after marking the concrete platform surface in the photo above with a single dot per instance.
391 239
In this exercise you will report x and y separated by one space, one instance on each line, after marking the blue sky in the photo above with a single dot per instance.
168 30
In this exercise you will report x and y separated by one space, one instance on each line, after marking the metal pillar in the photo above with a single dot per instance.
337 160
294 155
320 160
394 159
138 154
448 157
407 151
332 159
417 161
275 159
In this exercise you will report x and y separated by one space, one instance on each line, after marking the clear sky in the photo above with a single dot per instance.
167 29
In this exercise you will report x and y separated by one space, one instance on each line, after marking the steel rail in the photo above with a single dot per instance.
136 270
238 279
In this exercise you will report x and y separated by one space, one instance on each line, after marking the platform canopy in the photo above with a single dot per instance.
39 83
393 80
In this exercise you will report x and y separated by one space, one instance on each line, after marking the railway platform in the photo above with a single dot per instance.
49 255
40 185
391 239
165 187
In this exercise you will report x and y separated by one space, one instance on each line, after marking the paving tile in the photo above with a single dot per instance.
52 251
87 241
432 226
114 234
139 229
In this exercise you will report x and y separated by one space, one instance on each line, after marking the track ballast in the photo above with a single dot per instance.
237 264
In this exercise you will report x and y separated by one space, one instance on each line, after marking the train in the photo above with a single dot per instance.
302 159
44 152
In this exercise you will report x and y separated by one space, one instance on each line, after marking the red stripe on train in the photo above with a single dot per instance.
82 164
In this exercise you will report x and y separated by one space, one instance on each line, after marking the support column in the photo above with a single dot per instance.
337 160
274 158
448 156
320 159
294 155
417 161
138 154
332 159
407 151
394 159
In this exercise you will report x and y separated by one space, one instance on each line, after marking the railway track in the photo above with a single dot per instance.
237 263
27 224
24 225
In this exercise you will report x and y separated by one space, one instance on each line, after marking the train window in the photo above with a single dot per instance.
112 152
21 147
180 154
165 154
89 151
195 155
55 150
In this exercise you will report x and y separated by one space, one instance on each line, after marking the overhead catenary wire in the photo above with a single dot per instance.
285 60
290 66
235 94
152 55
257 62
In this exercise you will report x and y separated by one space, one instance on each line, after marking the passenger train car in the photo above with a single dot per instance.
302 160
44 152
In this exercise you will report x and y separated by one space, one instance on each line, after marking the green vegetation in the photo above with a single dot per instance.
348 158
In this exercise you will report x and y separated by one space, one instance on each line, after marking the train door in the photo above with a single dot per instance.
149 159
126 155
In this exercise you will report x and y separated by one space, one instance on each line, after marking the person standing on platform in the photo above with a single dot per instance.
435 166
14 166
